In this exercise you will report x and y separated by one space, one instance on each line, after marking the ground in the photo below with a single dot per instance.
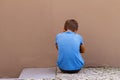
103 73
99 73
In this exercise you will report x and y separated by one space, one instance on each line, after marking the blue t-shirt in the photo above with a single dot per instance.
69 57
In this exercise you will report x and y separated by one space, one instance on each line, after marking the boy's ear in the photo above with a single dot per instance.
75 31
63 30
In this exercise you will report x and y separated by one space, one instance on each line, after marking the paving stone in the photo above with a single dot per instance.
38 74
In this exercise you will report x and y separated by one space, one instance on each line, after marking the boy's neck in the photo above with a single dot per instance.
71 31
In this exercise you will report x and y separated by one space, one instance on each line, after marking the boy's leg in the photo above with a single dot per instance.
70 71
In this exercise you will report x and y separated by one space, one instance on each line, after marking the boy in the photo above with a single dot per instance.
70 46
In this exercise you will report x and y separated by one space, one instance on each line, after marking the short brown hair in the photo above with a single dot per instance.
71 24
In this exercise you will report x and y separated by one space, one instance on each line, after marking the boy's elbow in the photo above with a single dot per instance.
82 49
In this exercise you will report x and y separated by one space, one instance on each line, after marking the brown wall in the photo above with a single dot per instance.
28 29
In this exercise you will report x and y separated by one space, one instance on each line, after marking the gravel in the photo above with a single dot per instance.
91 74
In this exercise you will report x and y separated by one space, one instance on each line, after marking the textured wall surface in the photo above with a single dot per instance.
28 29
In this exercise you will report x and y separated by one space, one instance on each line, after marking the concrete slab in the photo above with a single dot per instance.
10 79
38 73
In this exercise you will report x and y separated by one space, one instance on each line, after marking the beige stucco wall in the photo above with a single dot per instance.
28 29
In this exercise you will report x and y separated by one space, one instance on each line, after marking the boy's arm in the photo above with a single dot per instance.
56 46
82 48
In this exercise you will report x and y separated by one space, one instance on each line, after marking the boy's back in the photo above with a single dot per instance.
69 57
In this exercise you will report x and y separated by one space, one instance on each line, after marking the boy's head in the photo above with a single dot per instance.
71 24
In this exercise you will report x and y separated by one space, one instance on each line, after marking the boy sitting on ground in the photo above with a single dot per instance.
70 46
